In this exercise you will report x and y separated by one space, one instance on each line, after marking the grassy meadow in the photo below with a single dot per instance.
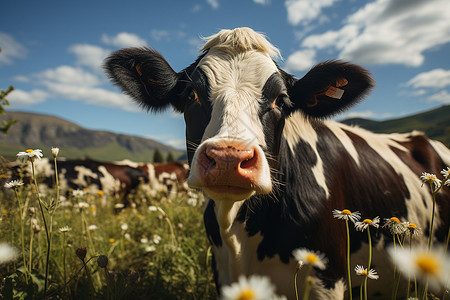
154 249
79 245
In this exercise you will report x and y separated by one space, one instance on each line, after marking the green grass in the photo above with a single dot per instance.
160 254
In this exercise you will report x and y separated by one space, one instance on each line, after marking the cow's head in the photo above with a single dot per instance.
235 100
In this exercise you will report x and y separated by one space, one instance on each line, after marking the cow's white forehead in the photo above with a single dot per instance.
236 82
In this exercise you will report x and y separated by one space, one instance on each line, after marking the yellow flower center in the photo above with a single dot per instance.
100 193
368 221
395 219
246 294
29 150
111 240
428 264
412 225
346 212
364 272
311 258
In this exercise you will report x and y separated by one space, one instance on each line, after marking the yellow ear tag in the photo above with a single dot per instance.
334 92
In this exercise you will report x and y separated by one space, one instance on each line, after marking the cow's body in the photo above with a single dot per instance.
274 170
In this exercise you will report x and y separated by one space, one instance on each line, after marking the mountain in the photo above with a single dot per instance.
44 131
435 123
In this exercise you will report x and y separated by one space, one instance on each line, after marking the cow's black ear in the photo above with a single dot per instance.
329 88
145 76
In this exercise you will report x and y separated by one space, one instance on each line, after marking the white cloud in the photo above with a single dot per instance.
66 75
441 97
305 11
124 40
437 78
11 49
167 35
71 83
300 60
262 2
89 55
196 8
93 96
388 32
214 3
20 98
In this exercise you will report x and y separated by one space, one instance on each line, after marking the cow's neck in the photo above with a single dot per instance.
233 235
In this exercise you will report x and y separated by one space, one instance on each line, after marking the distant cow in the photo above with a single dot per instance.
92 175
274 168
167 177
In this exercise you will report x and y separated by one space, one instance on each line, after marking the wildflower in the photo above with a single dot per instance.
395 226
92 227
152 208
32 211
78 193
306 256
431 265
82 205
29 155
119 205
254 287
124 226
7 253
156 239
430 178
65 229
81 253
413 229
447 182
144 240
14 184
446 173
192 202
102 261
100 193
55 151
345 214
150 248
372 274
112 240
361 226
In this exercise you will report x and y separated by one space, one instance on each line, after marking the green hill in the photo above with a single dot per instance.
435 123
44 131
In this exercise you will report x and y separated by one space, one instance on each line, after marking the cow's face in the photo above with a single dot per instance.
235 100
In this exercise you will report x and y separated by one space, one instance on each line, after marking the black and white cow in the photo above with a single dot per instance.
274 168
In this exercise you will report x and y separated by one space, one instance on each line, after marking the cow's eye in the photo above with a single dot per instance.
279 101
193 97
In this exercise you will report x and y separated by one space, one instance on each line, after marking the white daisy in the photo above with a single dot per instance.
29 155
119 205
372 274
361 226
345 214
7 253
395 226
255 287
55 151
446 173
14 184
65 229
305 256
427 177
424 264
92 227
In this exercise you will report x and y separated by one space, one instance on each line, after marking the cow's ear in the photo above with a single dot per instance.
145 76
330 88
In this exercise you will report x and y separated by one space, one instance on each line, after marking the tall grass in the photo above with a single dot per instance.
156 248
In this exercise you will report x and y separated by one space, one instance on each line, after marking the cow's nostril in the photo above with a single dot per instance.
249 162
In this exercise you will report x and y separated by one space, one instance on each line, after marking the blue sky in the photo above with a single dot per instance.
53 50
